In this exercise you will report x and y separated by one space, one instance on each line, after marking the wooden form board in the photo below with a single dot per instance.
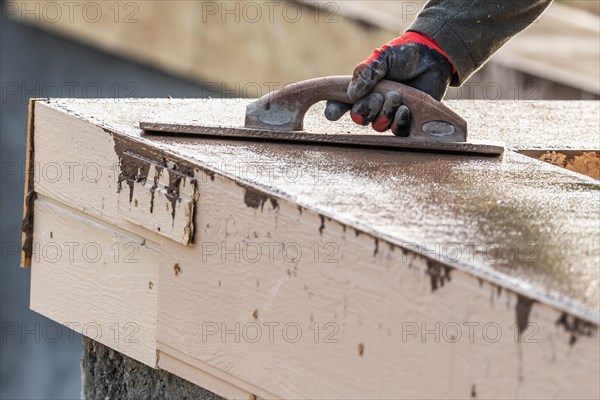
95 279
28 192
366 320
291 290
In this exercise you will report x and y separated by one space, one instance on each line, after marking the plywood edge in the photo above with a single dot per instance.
206 376
28 192
586 162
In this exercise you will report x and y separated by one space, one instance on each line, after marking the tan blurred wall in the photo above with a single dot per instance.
250 47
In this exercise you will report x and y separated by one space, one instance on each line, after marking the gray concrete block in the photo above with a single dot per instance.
108 374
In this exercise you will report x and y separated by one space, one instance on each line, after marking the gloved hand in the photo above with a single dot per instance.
412 59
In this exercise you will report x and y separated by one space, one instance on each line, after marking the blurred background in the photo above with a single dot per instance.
120 49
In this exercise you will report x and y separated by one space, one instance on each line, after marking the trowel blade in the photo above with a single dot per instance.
388 141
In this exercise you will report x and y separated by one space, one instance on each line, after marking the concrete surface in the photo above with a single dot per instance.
108 374
39 359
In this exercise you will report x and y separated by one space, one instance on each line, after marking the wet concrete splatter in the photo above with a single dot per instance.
135 160
439 274
322 226
254 198
523 310
173 190
27 224
211 174
131 169
154 187
575 326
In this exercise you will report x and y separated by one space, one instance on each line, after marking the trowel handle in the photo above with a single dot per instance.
284 109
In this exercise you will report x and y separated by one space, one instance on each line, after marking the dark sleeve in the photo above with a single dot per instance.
470 31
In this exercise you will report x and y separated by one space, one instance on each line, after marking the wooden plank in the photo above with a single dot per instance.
154 206
95 279
358 247
205 376
29 193
581 161
110 183
366 308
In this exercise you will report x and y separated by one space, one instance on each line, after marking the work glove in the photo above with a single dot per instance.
412 59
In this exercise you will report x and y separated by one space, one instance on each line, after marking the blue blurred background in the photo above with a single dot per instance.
37 361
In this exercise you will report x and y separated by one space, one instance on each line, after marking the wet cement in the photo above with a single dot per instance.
524 224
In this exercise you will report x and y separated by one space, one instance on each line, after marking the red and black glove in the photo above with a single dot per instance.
412 59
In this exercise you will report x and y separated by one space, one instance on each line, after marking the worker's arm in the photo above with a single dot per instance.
470 31
447 43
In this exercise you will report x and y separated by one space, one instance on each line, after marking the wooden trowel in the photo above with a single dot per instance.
279 116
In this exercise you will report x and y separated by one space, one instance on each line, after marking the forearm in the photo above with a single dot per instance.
470 31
